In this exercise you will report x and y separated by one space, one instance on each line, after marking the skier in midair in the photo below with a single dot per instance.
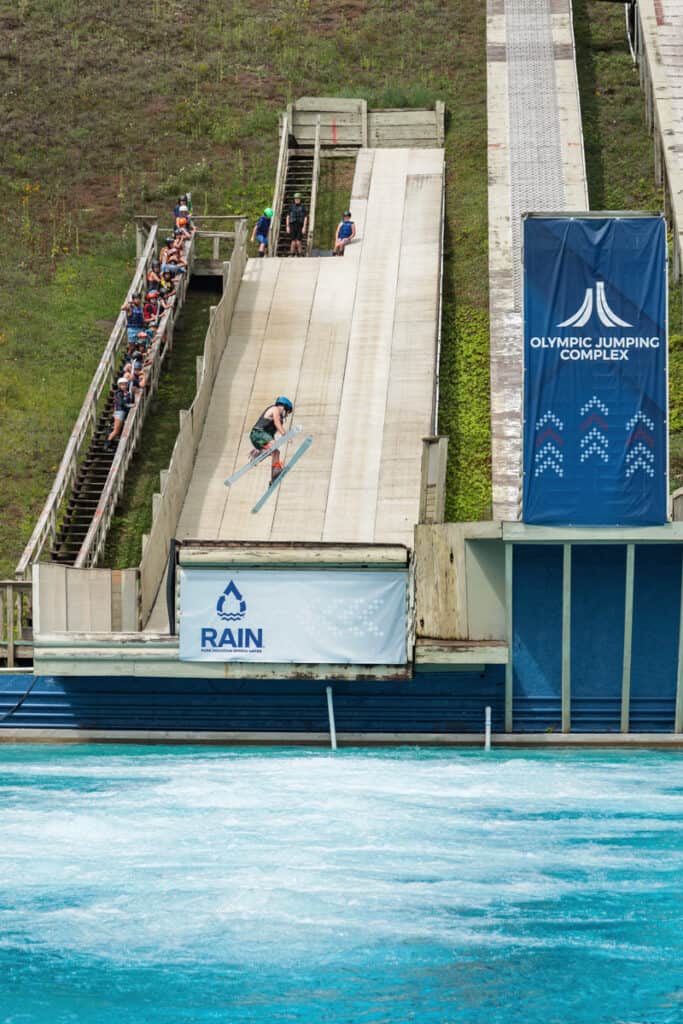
271 422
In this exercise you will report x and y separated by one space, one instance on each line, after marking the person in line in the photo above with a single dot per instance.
135 320
152 308
297 225
134 372
172 257
345 233
185 201
123 401
154 275
261 229
272 421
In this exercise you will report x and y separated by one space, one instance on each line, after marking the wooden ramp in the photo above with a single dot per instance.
353 342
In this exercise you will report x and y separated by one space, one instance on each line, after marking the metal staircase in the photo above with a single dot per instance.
300 166
298 170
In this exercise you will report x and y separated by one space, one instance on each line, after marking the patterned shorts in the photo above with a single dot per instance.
259 438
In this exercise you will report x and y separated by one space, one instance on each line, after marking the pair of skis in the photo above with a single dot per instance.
267 453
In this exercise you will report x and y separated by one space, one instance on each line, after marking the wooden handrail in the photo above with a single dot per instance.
94 541
278 198
314 187
46 527
15 616
175 479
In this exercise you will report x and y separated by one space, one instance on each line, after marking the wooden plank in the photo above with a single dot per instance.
88 600
319 104
440 582
291 553
49 593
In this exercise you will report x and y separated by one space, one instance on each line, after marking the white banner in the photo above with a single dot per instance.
318 616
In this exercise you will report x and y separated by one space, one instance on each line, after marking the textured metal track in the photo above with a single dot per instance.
536 174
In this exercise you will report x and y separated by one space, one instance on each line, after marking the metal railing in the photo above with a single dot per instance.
45 530
279 195
16 622
314 188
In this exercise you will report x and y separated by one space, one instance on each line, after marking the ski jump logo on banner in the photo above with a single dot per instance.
595 403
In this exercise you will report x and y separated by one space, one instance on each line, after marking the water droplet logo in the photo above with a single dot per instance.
231 606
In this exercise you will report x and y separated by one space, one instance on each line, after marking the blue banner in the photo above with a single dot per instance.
595 371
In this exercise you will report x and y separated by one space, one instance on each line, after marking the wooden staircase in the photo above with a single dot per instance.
87 488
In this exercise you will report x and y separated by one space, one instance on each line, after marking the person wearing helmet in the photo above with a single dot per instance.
152 308
271 422
154 275
297 225
345 233
123 400
135 320
261 229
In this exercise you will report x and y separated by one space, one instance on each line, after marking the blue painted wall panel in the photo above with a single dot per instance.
537 637
432 702
597 645
654 655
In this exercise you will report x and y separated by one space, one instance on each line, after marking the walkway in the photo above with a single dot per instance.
536 163
660 50
353 342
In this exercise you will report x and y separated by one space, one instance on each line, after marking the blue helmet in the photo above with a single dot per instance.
284 401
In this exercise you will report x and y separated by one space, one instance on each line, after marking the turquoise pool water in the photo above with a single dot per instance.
177 885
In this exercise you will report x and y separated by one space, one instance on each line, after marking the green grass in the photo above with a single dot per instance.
620 160
50 341
112 113
334 196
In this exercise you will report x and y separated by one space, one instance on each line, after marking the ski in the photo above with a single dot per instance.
265 454
301 450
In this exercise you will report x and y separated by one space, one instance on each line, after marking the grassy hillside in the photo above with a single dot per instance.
110 111
620 159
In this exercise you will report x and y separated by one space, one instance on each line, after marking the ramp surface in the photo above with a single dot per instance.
536 163
352 341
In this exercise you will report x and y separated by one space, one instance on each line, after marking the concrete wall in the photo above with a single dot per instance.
460 581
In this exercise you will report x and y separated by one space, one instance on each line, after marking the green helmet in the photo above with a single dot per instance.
268 211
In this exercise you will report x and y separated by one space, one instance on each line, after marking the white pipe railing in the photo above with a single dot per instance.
314 187
330 717
280 179
45 530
